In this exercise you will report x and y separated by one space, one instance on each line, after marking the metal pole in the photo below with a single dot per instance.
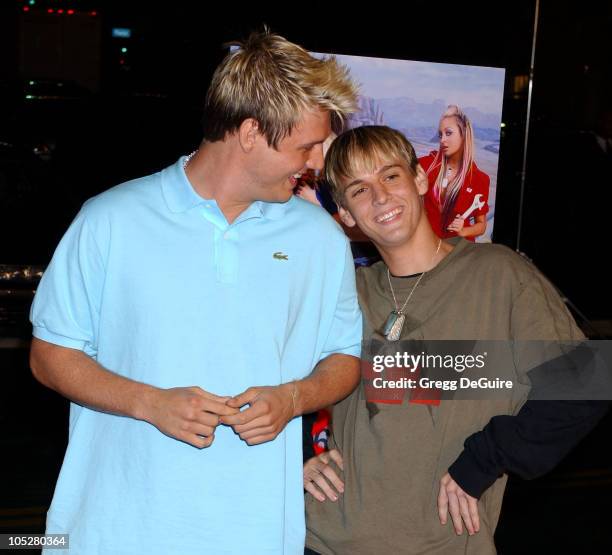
529 93
594 331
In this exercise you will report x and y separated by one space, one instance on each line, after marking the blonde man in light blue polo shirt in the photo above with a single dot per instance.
193 315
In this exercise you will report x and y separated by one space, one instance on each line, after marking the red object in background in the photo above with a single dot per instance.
320 431
476 182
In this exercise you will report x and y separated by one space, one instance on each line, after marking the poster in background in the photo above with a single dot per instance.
411 96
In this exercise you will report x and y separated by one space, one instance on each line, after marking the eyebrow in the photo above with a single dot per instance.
313 143
379 171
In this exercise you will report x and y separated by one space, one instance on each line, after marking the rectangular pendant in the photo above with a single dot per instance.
389 323
393 326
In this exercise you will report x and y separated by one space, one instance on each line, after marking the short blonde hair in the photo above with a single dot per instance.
274 81
361 150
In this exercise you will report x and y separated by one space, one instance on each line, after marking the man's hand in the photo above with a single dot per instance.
320 479
270 408
463 508
188 414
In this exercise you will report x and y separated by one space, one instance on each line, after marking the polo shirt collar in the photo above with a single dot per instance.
177 190
274 210
180 195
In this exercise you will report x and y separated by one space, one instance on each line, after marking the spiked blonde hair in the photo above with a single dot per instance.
274 81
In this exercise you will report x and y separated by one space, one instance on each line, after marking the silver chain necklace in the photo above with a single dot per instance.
188 159
395 321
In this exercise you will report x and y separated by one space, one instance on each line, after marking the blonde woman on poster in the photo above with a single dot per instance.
457 199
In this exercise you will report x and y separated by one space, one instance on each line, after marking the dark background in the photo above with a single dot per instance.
78 115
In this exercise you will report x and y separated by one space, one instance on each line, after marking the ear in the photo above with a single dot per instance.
420 180
346 217
248 133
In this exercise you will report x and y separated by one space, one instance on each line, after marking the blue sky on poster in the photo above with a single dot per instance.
424 81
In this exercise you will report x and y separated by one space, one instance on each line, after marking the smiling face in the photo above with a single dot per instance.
385 203
274 172
451 138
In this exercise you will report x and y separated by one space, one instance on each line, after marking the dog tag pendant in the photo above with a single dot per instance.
393 326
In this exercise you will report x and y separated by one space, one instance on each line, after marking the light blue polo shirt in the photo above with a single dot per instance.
152 282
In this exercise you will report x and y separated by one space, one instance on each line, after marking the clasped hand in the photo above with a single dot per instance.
192 415
270 408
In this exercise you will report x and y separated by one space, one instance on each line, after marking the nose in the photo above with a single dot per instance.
316 160
380 194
